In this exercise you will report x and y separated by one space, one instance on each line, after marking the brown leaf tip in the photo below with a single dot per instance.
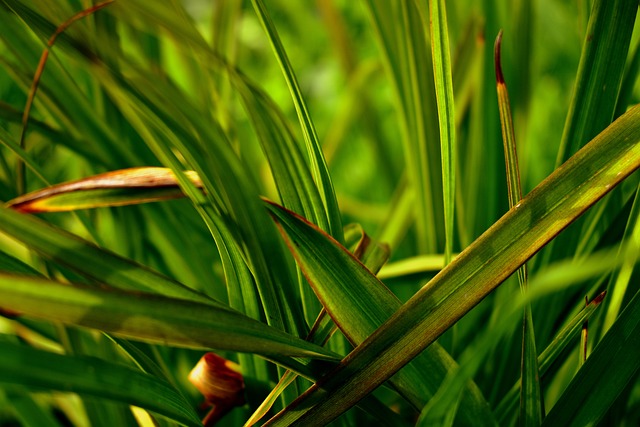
597 300
497 60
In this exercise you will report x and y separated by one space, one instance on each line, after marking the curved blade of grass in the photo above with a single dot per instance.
316 158
242 296
607 371
531 404
600 71
266 405
74 252
485 264
358 303
31 368
151 318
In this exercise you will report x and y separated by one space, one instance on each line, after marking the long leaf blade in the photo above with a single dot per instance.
446 114
599 74
89 259
29 367
151 318
316 158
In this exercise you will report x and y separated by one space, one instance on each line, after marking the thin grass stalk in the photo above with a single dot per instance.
531 407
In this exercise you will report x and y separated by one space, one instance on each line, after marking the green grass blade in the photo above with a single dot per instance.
75 112
316 159
508 133
605 374
242 296
231 193
531 403
446 113
14 265
549 282
494 256
373 255
8 142
560 342
358 303
29 367
474 357
168 127
290 170
292 176
629 80
29 412
408 65
620 286
150 318
602 62
89 259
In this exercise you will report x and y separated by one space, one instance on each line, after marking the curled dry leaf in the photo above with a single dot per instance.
116 188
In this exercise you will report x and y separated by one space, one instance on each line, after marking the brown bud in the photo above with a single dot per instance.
220 382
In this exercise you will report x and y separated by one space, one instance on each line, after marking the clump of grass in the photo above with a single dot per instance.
335 220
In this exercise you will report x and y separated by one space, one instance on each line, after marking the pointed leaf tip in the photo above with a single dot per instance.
597 300
497 59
